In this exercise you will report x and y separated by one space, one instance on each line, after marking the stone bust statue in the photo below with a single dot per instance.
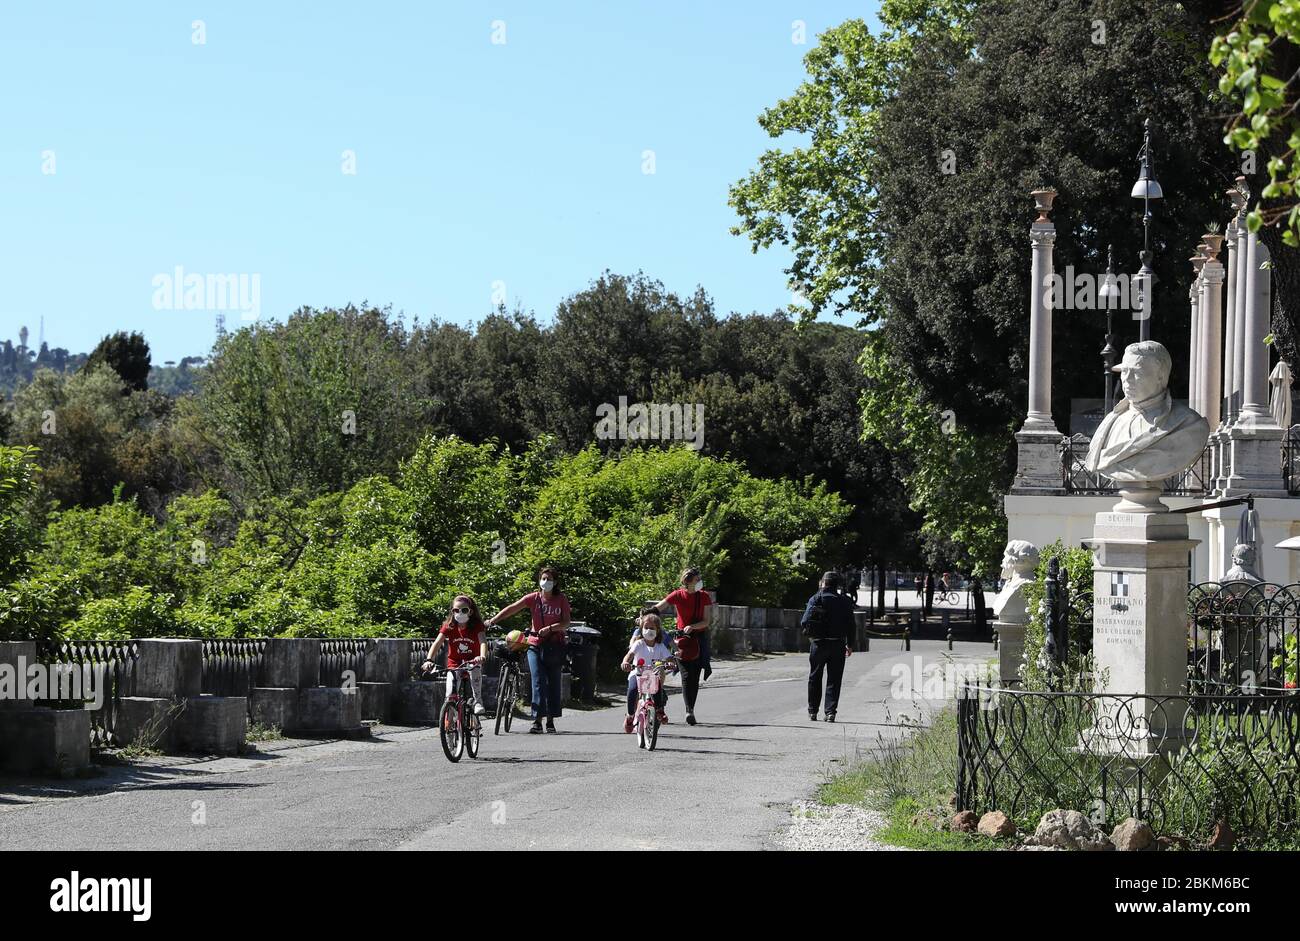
1147 437
1243 565
1019 560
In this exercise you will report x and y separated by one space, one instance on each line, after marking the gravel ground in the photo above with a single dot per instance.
814 826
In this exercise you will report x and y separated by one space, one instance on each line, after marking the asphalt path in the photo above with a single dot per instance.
726 783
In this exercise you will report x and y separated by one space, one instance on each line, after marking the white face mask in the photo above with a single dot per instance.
649 634
461 618
698 586
546 584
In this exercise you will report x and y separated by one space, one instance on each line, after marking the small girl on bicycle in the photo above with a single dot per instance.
466 639
648 647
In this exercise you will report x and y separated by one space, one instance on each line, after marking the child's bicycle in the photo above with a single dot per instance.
646 721
458 726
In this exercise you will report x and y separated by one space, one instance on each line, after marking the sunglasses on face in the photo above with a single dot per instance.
460 610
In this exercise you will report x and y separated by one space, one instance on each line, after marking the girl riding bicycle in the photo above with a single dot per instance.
466 637
647 648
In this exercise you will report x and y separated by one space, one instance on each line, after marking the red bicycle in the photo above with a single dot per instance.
458 726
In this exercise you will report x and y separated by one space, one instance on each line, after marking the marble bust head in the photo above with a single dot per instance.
1147 437
1019 560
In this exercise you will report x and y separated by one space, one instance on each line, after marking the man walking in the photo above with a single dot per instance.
828 622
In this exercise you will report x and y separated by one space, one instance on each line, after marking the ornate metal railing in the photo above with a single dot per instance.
419 649
1242 637
1291 460
231 665
340 655
1076 478
110 662
1178 762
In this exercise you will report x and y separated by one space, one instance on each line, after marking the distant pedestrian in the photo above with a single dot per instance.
920 587
828 622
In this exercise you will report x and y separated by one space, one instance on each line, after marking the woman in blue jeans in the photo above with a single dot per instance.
546 639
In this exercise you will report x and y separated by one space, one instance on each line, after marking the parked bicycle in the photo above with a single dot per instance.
510 679
458 727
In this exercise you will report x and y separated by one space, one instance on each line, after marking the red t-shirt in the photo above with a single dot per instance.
554 611
463 643
691 606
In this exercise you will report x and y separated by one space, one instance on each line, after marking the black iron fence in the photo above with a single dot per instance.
1178 762
1076 478
231 665
1291 460
1242 637
110 663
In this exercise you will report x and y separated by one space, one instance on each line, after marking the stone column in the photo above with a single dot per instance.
1194 342
1256 436
1042 236
1230 326
1038 464
1243 280
1211 330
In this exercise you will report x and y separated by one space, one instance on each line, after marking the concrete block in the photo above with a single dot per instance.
376 700
389 660
45 741
418 702
167 668
17 655
212 725
274 707
291 661
737 617
328 709
790 627
147 721
739 639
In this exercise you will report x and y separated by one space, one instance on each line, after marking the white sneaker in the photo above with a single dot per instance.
479 710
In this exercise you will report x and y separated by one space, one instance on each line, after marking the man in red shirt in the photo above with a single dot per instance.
691 604
466 638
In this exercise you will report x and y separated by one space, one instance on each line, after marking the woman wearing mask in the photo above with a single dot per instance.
691 602
546 638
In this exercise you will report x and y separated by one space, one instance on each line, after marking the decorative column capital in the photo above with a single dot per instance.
1040 235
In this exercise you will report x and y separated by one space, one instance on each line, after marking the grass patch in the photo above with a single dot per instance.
911 779
263 733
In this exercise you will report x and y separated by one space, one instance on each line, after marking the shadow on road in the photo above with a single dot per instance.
536 761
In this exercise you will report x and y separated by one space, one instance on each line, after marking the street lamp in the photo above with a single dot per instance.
1146 189
1109 297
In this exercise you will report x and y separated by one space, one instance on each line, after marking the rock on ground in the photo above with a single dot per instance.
815 826
964 822
1069 830
1132 835
996 825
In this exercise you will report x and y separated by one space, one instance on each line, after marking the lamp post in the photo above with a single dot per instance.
1146 189
1109 297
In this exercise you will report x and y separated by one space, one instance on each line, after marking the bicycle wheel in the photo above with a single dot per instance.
449 730
473 730
641 726
503 704
654 730
512 693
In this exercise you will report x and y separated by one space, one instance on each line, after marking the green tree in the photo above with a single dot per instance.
127 355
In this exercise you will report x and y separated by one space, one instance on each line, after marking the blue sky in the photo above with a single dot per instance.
479 165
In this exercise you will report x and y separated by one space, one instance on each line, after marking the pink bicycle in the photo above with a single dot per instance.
649 681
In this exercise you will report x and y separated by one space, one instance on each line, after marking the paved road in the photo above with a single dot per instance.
726 783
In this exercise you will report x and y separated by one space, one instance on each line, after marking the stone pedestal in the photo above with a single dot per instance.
274 707
376 700
167 669
1139 628
212 725
1038 462
389 660
290 661
418 702
44 741
146 721
1255 446
1011 648
329 709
